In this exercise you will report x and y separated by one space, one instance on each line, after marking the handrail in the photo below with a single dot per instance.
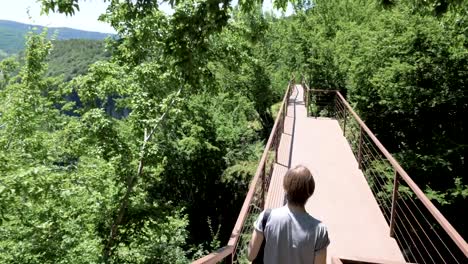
216 256
456 237
249 196
222 253
400 172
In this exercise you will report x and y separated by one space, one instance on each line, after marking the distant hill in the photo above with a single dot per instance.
12 35
72 57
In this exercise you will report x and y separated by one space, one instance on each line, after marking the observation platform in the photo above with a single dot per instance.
342 198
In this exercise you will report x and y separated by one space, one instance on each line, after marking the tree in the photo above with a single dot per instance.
404 70
185 140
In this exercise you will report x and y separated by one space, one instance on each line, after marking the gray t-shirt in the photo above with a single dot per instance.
292 237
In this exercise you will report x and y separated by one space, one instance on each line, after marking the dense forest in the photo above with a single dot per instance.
71 58
163 181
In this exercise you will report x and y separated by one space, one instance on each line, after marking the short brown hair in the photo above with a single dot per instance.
299 185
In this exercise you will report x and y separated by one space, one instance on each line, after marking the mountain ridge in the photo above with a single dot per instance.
12 35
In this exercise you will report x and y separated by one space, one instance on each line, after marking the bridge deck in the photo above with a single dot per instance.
342 199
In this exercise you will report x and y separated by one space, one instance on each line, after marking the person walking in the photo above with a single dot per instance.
291 234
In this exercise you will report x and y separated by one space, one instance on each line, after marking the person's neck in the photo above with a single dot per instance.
296 208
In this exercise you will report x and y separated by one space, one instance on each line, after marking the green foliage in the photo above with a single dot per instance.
167 132
155 243
240 66
62 178
46 209
7 70
101 187
404 69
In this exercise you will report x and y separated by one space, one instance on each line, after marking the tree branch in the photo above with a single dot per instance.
133 179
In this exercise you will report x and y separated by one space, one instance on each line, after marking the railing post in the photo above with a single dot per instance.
264 175
344 122
303 92
336 107
285 109
394 203
360 148
263 185
277 142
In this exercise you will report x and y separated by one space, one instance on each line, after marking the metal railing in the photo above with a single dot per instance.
236 249
421 231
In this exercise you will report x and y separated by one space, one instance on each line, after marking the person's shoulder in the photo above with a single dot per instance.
321 226
317 223
275 210
279 214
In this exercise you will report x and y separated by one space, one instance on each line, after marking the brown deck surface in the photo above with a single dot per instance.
342 199
275 196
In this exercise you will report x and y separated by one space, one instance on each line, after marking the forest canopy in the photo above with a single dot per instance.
71 58
151 161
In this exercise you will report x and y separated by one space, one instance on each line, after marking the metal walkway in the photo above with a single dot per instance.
374 211
342 198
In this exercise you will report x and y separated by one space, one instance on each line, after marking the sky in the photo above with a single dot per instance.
85 19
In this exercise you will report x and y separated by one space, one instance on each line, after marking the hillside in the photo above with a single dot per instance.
72 57
12 35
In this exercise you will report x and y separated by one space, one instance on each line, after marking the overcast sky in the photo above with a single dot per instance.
85 19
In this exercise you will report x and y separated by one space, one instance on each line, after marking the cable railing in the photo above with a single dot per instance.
236 249
421 231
